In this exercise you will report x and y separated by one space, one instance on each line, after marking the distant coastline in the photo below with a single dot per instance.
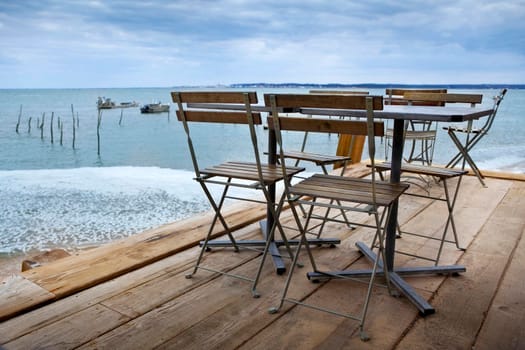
375 85
261 85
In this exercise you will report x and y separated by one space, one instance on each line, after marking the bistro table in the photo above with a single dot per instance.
400 114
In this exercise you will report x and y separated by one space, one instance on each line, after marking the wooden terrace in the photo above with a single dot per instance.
132 294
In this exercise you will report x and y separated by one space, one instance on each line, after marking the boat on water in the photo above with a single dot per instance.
154 108
107 103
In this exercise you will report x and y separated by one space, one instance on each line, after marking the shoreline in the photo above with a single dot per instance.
11 263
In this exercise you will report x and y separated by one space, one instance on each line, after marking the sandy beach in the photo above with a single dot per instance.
11 264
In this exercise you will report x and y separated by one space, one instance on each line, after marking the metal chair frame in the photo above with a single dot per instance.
479 133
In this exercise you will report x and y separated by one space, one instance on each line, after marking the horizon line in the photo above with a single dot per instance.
297 85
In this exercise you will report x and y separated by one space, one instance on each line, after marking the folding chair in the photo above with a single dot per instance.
479 133
442 174
422 132
348 148
241 174
338 192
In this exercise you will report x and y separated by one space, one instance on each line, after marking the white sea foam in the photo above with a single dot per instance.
508 163
40 209
109 180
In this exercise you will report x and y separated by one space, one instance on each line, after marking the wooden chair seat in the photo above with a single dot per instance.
414 135
318 159
248 171
346 189
423 170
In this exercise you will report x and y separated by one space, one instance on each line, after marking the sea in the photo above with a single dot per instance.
76 182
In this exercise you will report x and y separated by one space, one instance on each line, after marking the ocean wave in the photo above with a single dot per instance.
41 209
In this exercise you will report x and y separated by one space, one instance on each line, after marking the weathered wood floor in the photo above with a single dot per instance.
133 294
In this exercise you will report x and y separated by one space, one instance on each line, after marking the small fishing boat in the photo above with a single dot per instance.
154 108
106 103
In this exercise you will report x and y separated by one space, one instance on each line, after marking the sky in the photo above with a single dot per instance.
161 43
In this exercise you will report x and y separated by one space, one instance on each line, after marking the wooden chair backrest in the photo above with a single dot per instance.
398 97
348 144
326 125
241 100
472 99
400 92
297 101
334 126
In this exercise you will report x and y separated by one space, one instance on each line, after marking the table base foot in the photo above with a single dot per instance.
274 246
395 277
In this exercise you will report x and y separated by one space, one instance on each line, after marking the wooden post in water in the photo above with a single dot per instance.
42 126
51 125
61 133
121 114
74 129
29 125
19 117
98 130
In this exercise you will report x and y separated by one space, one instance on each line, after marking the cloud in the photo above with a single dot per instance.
53 43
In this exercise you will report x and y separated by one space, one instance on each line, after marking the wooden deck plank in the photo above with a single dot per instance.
17 293
504 327
470 214
71 331
303 328
154 293
28 322
171 320
463 301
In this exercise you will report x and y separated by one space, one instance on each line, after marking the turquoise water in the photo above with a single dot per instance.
53 195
